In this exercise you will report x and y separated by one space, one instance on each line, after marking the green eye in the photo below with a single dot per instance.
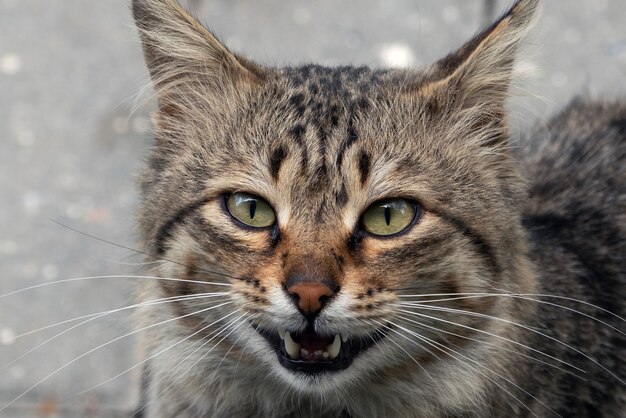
388 217
250 210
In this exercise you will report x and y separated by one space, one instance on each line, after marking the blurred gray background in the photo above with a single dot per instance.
74 128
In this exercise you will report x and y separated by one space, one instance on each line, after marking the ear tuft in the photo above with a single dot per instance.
179 50
480 72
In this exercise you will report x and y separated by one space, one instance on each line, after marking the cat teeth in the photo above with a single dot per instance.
334 348
294 351
291 347
344 338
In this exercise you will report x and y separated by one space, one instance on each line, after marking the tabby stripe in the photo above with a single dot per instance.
213 238
475 238
165 231
297 133
276 161
352 137
364 166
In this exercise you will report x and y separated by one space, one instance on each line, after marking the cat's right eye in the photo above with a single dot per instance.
250 210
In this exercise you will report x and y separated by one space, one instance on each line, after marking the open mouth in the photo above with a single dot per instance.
310 352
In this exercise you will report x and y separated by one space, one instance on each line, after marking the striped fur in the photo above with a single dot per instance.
322 144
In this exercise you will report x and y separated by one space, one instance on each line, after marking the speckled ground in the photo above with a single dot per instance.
74 128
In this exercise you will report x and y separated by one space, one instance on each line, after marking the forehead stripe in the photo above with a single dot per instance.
276 161
364 166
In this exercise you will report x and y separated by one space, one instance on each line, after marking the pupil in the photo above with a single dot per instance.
387 215
252 209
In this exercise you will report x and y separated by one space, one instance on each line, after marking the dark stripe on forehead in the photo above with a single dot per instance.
297 102
364 166
297 133
352 137
165 231
352 133
276 161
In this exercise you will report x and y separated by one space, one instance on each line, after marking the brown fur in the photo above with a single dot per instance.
322 144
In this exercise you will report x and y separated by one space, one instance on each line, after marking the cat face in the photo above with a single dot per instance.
316 205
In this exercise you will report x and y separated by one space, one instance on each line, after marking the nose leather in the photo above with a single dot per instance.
311 296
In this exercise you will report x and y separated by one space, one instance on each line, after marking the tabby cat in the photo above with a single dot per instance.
356 242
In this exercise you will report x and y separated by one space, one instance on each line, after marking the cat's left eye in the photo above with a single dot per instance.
250 210
389 217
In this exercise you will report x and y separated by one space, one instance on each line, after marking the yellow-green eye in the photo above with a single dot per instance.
388 217
250 210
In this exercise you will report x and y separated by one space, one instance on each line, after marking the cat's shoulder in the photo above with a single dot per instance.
577 160
575 166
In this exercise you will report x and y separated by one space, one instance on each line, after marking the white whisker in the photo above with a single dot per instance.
213 335
437 330
524 296
442 347
245 347
77 279
495 318
128 263
151 357
102 346
90 318
495 336
213 376
406 352
153 302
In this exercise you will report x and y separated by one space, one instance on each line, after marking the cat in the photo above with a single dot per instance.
356 242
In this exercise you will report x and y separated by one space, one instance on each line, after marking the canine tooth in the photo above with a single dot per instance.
334 348
344 338
281 334
291 347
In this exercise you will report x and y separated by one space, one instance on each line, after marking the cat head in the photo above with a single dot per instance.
345 220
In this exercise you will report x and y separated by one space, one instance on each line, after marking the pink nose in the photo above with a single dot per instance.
311 296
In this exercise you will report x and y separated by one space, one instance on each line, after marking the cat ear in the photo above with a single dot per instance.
477 76
180 52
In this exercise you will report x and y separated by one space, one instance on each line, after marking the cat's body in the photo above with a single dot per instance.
441 317
575 217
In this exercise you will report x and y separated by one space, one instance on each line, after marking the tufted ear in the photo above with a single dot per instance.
180 52
478 75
